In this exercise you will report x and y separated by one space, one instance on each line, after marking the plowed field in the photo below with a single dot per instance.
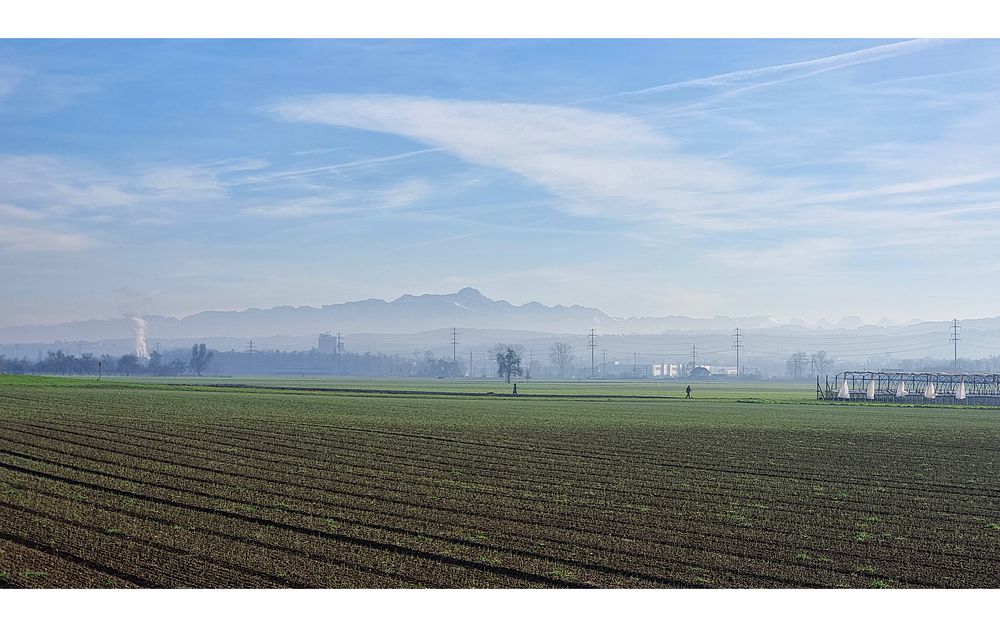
145 485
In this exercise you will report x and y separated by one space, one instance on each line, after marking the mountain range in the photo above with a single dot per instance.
467 308
409 314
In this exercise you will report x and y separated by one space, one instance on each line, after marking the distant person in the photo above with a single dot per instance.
515 389
688 390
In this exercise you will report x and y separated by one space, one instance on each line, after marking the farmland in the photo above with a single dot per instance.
145 484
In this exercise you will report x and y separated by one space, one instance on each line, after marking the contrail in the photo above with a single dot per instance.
338 166
140 338
813 66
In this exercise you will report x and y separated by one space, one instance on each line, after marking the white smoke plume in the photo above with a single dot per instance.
140 338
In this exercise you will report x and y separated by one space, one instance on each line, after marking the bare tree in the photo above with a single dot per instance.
200 358
508 361
561 356
822 363
796 364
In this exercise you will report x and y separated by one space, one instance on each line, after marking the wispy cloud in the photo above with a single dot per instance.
30 90
784 72
334 168
182 182
346 201
909 187
786 258
12 212
315 151
21 239
598 163
237 164
614 167
429 242
59 184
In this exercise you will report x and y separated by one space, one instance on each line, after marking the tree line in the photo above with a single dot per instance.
59 362
507 361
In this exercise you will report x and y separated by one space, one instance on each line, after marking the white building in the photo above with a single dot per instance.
667 370
327 343
725 371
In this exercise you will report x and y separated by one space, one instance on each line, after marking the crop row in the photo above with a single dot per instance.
311 497
377 470
25 563
282 481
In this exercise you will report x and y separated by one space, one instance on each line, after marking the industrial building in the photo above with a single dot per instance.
327 343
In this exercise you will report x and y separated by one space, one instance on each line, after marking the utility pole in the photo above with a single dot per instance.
604 363
593 345
798 363
955 339
635 365
470 364
738 344
694 357
340 349
531 358
454 345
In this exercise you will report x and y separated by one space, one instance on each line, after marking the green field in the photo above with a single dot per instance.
153 483
661 388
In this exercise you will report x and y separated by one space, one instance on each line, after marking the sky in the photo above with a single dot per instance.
799 179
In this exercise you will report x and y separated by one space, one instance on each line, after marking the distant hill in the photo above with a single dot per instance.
467 308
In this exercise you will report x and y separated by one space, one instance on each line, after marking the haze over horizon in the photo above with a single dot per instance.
467 308
798 179
848 321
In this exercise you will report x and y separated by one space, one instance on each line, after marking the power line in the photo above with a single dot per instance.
593 345
694 357
604 363
737 344
955 339
454 345
798 362
340 349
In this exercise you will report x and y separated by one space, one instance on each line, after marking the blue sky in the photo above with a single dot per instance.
793 178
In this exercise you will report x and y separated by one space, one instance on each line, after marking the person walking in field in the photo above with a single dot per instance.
688 390
515 389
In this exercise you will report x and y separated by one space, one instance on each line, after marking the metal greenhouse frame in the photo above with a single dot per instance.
980 389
